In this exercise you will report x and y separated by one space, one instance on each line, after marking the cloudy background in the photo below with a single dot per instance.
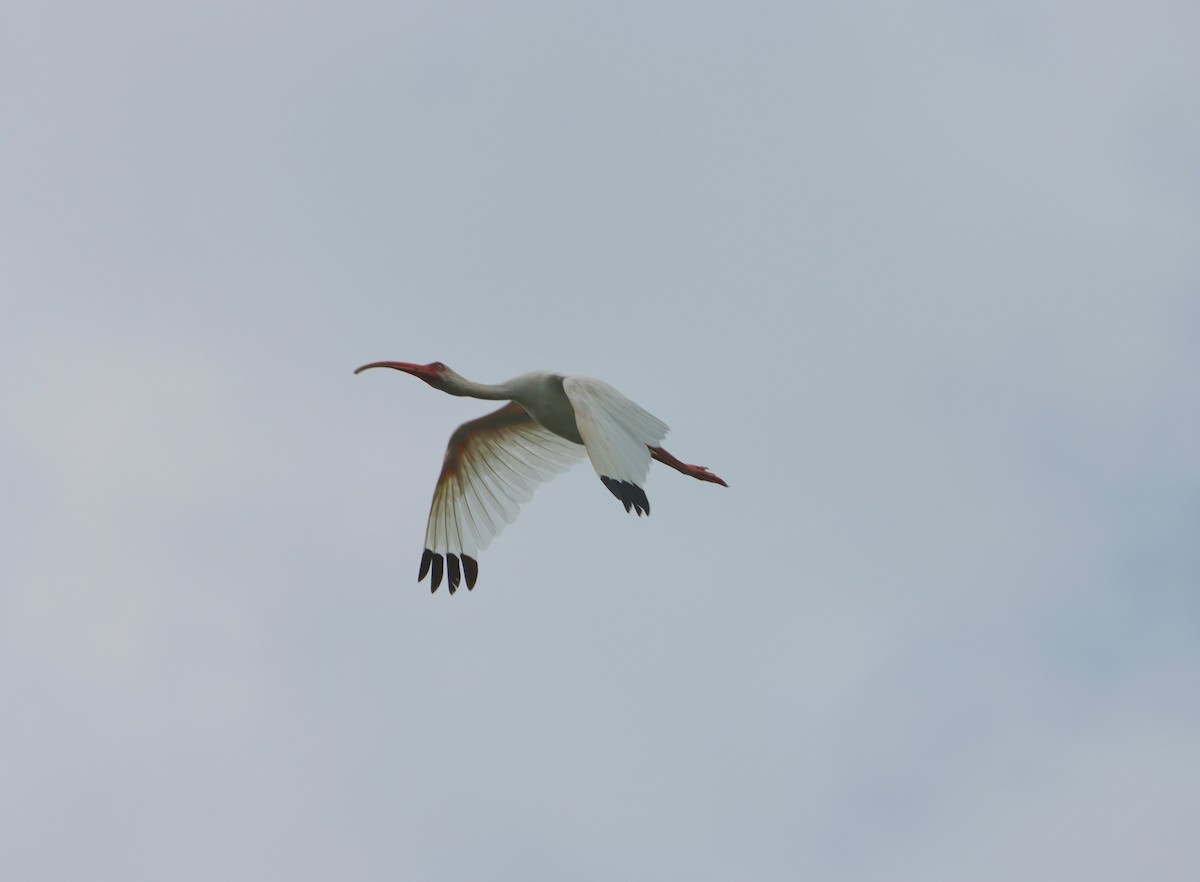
921 281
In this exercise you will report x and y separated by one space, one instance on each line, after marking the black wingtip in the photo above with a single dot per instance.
631 495
456 568
436 578
429 561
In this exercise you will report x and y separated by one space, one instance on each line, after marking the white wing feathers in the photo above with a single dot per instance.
492 466
618 435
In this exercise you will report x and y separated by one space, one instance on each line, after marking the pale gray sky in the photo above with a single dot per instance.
921 282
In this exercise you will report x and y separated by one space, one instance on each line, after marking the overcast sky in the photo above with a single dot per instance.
921 281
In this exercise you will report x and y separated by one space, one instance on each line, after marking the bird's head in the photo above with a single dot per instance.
435 374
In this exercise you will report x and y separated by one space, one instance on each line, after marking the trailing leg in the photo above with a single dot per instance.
698 472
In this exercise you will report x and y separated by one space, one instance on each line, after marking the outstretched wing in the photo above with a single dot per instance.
492 465
618 436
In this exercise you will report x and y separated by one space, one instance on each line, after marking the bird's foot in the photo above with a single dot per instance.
703 474
700 473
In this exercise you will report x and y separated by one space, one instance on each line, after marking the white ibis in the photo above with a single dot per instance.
493 464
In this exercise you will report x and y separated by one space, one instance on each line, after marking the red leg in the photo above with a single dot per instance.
698 472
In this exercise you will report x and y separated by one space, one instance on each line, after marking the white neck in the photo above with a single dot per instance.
460 386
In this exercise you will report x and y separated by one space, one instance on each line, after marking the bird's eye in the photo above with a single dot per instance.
439 367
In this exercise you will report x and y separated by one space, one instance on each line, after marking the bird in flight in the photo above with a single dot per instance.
494 463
